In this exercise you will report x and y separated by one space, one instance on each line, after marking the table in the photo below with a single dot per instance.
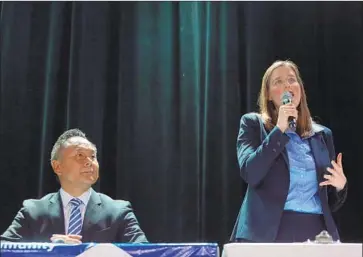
292 250
108 250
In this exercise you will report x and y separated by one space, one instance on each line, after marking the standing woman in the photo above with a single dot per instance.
294 182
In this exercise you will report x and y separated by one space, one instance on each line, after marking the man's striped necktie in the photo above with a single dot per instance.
75 219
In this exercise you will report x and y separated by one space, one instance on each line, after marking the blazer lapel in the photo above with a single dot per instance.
284 155
92 215
56 214
320 152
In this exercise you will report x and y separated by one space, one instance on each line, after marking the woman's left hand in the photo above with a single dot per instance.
337 178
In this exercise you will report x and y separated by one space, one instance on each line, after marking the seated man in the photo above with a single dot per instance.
76 213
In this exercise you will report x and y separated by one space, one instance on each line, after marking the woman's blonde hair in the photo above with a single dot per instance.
268 110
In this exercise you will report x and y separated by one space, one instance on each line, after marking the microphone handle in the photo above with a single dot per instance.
292 123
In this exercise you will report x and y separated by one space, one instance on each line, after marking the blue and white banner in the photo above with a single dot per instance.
108 250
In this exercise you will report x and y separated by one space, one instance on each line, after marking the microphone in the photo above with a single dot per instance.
287 99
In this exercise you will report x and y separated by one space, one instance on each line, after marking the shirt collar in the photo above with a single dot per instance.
290 133
67 197
316 128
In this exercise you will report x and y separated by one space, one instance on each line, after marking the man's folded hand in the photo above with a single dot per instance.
66 239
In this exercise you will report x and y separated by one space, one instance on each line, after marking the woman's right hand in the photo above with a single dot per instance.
285 111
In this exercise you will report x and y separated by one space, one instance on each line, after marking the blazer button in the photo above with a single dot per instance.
278 143
274 150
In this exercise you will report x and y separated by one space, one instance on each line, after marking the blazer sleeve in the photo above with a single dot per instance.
19 229
131 232
255 158
336 199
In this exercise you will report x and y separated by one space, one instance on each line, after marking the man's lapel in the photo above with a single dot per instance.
56 214
92 215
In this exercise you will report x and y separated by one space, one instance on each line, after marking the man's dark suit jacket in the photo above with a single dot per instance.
264 166
105 221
